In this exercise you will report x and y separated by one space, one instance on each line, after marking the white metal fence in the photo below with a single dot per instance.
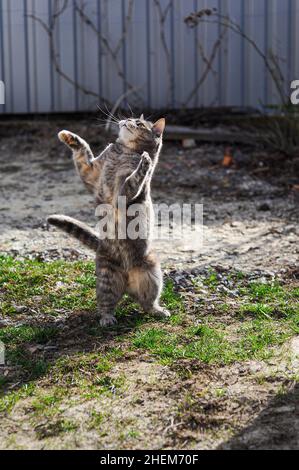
69 55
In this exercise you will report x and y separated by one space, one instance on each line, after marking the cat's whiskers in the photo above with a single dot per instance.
109 115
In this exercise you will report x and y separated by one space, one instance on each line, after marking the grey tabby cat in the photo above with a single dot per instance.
124 168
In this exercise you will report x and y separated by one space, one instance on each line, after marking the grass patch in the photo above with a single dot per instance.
172 299
266 291
46 404
54 428
59 286
21 334
271 301
8 400
96 420
17 339
211 280
46 287
214 343
264 316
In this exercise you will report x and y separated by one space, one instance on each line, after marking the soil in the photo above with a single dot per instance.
250 209
250 224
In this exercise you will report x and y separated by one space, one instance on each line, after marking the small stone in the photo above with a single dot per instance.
188 143
264 207
20 308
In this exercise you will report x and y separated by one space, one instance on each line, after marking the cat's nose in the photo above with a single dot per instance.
130 124
121 123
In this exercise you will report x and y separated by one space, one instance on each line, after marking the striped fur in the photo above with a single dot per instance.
124 168
88 168
76 229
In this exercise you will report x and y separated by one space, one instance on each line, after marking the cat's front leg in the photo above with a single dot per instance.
86 165
136 182
77 144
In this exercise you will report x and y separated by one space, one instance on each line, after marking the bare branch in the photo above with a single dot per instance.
112 52
58 10
209 63
126 27
203 16
50 32
163 16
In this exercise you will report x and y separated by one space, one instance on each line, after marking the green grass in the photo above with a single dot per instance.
7 401
55 427
263 291
264 315
172 299
257 310
269 314
58 286
96 420
273 302
212 345
46 287
211 280
295 293
21 334
17 338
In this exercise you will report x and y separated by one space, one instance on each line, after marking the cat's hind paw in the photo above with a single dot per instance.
108 320
160 312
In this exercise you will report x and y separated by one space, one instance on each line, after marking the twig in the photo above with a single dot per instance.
209 62
112 52
224 20
163 16
50 29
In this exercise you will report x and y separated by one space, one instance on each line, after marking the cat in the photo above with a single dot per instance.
125 168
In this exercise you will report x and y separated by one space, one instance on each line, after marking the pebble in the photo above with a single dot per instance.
264 207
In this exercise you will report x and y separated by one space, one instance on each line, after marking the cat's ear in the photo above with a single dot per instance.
159 126
142 117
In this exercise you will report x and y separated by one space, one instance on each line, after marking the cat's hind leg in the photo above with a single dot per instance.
111 285
145 284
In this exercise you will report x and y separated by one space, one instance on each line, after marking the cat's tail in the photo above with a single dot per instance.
77 229
76 143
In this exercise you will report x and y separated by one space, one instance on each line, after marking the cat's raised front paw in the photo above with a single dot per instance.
146 159
70 139
145 163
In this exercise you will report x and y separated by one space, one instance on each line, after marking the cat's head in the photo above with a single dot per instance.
140 134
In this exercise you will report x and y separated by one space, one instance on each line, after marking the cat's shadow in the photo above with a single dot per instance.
78 333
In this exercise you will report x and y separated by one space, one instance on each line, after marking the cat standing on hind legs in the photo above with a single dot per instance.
125 168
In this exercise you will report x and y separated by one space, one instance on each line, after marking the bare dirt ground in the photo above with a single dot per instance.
250 225
250 215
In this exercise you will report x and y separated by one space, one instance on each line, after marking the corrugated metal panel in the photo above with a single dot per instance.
144 45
